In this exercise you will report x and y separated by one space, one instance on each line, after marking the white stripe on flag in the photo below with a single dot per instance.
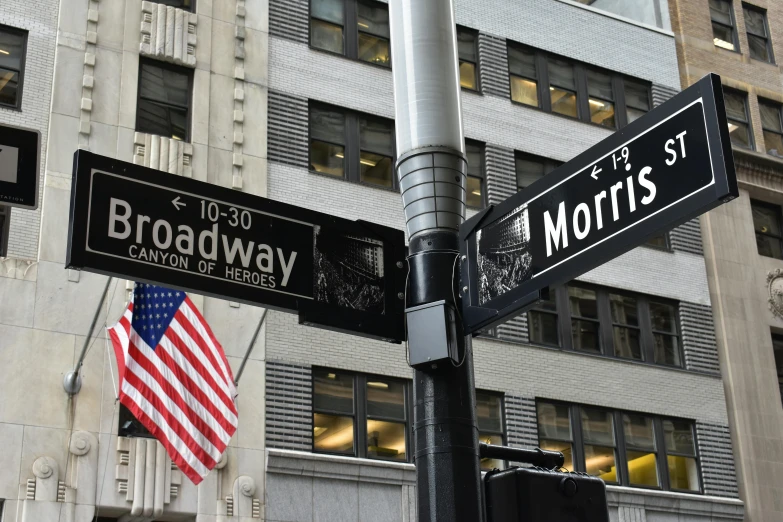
194 320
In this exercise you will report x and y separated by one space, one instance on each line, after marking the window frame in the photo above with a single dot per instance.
350 41
778 213
475 34
352 145
751 138
733 27
767 38
548 164
360 414
621 446
136 430
188 72
5 227
779 109
503 427
483 173
543 83
22 66
606 324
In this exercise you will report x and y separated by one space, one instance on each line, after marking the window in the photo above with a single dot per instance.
773 129
129 425
650 12
659 241
468 58
163 106
489 413
625 448
758 33
767 224
531 168
13 47
777 348
360 415
5 221
355 28
475 192
737 115
187 5
573 89
351 145
609 322
724 34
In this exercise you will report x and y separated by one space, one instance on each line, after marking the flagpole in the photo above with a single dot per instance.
250 348
72 383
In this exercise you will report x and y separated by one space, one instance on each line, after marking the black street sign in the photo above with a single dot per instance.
668 166
20 158
137 223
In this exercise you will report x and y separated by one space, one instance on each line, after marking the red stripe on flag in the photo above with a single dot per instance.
230 376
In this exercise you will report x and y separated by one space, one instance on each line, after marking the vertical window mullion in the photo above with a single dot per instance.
351 28
660 454
582 103
360 412
605 322
544 98
622 457
577 440
621 109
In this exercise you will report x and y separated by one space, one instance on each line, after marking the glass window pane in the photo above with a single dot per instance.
376 135
374 49
522 62
769 246
529 170
585 336
554 421
637 95
599 462
770 117
583 302
12 45
386 440
373 18
489 412
638 431
327 158
385 398
642 469
330 10
466 44
326 36
475 153
563 102
164 85
766 219
735 106
563 447
489 464
754 22
664 317
9 86
561 74
327 125
657 241
723 36
333 434
683 473
678 435
758 48
624 309
602 112
524 91
543 328
634 114
773 143
667 349
375 169
598 426
599 84
739 134
627 343
720 11
474 198
332 391
467 75
548 303
162 120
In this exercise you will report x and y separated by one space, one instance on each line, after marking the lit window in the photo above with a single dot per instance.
599 444
369 41
769 234
554 431
12 55
468 58
723 31
523 75
163 105
475 190
773 129
601 98
373 27
758 33
562 87
738 120
681 455
640 450
489 413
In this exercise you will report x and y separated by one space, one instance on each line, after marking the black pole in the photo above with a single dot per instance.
448 477
536 457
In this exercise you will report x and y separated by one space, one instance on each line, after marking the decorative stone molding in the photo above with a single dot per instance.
239 96
15 268
168 34
759 170
166 154
775 290
88 76
146 475
242 503
44 493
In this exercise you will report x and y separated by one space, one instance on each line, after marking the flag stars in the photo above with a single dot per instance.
157 316
169 294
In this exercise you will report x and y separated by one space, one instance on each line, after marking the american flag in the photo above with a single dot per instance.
174 377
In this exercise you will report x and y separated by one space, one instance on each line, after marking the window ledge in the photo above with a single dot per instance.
676 502
350 59
357 183
303 463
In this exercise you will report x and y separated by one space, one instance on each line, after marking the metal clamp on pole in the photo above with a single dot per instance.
536 457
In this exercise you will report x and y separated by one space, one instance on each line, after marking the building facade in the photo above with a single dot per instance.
739 41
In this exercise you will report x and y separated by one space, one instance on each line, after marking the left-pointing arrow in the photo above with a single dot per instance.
177 203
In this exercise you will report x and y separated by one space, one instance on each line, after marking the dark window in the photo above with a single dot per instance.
724 32
659 241
489 413
351 145
767 224
530 168
468 58
738 119
164 100
187 5
354 28
773 129
476 192
758 33
361 415
13 46
610 322
625 448
5 222
574 89
777 348
129 425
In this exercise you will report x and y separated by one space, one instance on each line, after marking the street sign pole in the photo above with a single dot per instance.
432 170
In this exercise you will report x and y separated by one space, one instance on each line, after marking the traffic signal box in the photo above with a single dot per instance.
542 495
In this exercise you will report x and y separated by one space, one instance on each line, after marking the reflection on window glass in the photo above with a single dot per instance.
326 36
562 87
385 398
327 158
332 433
376 139
584 319
524 84
12 44
489 414
164 100
683 473
332 392
722 24
640 441
766 222
554 430
601 98
737 115
758 37
468 59
475 188
373 26
650 12
327 152
542 322
598 435
625 332
474 195
386 440
773 130
664 325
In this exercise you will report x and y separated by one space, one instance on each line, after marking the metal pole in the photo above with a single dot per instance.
432 169
250 348
72 383
537 457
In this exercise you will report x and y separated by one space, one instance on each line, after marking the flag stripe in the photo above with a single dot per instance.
197 321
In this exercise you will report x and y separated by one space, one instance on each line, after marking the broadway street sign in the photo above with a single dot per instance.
668 166
137 223
20 157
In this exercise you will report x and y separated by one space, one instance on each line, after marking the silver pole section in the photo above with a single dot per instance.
250 348
72 383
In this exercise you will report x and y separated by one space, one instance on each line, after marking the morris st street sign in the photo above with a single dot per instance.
137 223
669 166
